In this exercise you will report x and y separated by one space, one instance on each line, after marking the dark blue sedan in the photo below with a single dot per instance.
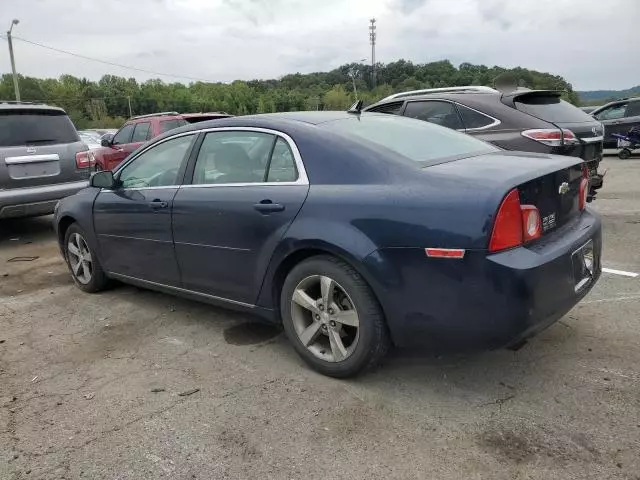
356 231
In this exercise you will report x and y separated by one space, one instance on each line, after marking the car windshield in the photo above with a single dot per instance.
28 127
416 140
552 109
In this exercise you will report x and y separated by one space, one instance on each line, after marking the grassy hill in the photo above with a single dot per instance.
600 97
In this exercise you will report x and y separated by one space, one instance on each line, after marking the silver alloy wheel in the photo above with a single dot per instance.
325 318
80 258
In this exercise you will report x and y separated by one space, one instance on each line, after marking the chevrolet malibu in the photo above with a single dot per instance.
356 231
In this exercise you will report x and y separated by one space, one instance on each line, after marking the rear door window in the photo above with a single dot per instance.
440 113
612 113
392 108
551 108
166 125
140 132
473 119
124 135
32 127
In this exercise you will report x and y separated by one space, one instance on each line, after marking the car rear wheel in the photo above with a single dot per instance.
332 317
83 262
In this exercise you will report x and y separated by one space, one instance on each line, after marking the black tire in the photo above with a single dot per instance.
624 154
98 280
373 336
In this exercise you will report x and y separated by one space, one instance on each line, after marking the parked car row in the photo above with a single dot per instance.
354 230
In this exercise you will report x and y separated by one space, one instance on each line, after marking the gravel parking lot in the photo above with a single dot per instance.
131 384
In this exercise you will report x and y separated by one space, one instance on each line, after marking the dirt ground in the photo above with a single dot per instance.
131 384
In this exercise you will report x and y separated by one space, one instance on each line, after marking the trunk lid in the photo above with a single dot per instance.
38 147
550 183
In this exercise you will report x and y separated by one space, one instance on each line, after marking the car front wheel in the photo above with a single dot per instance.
332 317
83 262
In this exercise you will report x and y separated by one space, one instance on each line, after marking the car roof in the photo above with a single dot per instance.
12 105
616 102
273 119
285 122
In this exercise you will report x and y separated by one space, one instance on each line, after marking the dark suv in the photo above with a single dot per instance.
618 117
525 120
42 159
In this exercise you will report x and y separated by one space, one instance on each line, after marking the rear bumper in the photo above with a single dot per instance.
33 201
482 301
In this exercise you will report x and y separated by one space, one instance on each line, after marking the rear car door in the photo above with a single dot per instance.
39 147
114 154
133 222
440 112
247 187
614 120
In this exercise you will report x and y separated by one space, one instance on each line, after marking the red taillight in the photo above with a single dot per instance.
552 136
584 188
507 229
515 224
584 193
85 159
531 223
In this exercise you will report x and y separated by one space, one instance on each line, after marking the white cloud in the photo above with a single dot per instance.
589 43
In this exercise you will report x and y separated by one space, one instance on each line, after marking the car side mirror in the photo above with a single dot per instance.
103 180
107 140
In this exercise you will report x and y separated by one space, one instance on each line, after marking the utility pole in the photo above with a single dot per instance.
16 87
129 101
372 40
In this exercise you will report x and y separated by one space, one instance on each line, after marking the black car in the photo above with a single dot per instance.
354 231
526 120
618 117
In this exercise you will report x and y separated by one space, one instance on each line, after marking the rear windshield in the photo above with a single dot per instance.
166 125
416 140
26 127
551 108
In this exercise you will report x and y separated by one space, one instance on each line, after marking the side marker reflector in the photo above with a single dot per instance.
445 252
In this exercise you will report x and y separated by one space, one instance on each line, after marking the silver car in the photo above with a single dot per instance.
42 159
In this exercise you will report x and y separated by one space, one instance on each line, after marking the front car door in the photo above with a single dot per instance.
614 121
247 187
440 112
116 153
133 221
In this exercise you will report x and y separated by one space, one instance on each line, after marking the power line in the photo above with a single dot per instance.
113 64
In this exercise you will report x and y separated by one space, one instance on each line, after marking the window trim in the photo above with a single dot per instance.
495 123
302 173
182 167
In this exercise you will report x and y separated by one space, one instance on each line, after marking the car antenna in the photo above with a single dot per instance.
356 107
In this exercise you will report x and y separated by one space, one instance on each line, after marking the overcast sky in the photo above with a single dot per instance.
591 43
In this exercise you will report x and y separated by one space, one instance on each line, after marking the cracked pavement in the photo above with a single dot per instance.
90 384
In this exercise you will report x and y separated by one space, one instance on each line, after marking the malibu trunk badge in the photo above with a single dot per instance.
564 188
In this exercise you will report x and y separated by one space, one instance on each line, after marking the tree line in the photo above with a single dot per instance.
108 102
